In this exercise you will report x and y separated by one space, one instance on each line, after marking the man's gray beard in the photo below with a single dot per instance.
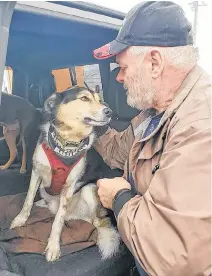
138 100
125 87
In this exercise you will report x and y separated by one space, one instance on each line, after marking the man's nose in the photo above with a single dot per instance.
120 77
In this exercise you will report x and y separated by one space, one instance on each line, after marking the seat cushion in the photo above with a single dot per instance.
84 263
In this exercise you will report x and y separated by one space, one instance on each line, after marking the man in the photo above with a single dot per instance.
162 203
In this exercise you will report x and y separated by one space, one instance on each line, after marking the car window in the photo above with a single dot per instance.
77 75
92 77
7 80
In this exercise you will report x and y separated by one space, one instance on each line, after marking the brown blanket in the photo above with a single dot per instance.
33 237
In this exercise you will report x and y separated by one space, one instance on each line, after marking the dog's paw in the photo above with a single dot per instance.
22 170
3 167
18 221
52 251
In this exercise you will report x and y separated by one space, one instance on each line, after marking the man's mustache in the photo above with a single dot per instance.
125 86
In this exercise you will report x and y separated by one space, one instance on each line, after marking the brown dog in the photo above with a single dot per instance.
17 116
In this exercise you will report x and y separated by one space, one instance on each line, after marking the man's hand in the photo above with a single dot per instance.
108 188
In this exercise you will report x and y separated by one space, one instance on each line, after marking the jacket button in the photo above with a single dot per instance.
155 168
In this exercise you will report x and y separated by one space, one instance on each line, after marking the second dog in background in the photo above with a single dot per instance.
18 117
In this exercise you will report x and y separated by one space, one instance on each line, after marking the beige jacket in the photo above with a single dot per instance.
167 225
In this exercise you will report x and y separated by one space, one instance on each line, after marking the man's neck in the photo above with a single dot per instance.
169 88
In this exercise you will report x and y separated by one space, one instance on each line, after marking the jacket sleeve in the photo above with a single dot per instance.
168 228
114 146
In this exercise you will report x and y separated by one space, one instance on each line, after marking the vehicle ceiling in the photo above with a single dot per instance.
46 35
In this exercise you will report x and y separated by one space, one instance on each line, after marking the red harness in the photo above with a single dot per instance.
60 171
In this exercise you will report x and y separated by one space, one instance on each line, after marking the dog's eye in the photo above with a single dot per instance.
85 99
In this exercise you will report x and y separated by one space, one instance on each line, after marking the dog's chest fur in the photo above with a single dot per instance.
43 168
42 165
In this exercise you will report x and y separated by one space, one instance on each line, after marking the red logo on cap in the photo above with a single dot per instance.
103 52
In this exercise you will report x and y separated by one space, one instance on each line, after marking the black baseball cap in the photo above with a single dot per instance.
150 23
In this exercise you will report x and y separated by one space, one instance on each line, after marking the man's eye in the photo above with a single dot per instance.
84 99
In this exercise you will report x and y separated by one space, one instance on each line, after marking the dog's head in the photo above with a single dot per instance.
78 105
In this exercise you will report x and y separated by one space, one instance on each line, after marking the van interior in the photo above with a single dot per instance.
49 49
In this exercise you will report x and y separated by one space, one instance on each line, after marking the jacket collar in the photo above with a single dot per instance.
184 91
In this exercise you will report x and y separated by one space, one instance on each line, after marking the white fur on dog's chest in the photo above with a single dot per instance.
43 168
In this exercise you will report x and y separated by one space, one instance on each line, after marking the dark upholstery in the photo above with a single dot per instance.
117 100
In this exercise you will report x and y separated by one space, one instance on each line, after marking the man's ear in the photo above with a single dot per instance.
52 102
157 60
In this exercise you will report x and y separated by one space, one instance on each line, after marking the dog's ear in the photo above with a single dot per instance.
97 89
52 102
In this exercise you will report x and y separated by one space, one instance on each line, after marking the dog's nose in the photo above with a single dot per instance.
107 112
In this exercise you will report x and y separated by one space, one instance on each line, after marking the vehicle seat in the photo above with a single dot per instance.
117 101
83 263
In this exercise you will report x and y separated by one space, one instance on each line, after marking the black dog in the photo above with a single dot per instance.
18 117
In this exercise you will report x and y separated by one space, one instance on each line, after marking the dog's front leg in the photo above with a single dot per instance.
53 248
22 217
